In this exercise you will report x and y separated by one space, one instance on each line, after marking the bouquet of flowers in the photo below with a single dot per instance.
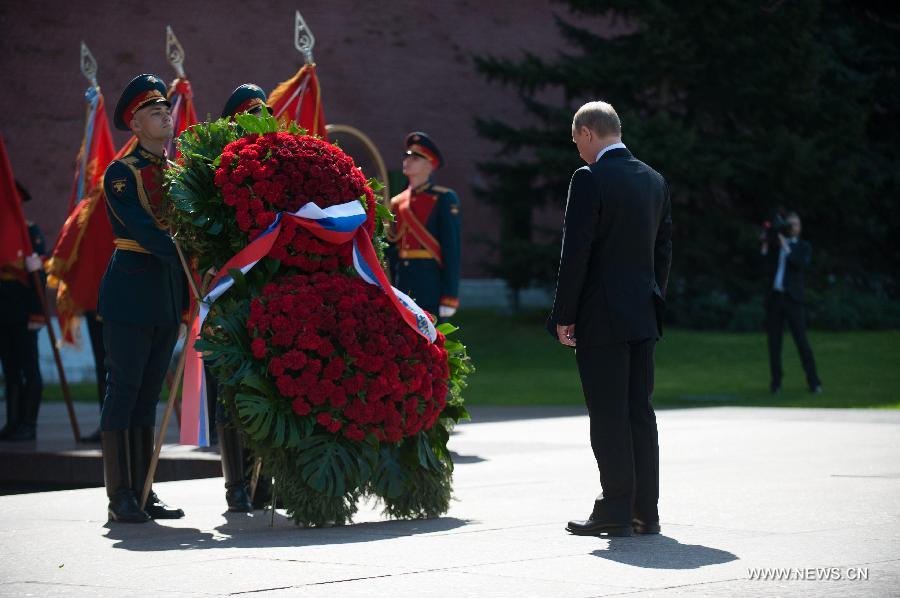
328 380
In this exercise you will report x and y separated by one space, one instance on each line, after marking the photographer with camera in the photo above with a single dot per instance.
786 257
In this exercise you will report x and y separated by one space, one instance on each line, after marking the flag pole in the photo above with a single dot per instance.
39 289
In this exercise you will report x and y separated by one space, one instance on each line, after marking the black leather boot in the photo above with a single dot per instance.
12 410
30 404
141 455
237 494
123 505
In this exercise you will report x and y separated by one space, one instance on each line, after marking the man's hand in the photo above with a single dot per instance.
33 263
445 311
566 334
784 243
182 331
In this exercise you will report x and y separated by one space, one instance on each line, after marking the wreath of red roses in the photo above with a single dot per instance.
337 350
261 175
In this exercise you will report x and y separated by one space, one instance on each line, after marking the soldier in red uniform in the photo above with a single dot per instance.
425 253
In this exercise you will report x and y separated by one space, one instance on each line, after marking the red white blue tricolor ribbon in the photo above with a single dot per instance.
336 224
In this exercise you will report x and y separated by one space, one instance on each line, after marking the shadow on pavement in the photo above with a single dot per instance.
245 531
662 552
465 459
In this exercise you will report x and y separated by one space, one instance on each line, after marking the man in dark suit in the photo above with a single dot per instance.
788 258
616 254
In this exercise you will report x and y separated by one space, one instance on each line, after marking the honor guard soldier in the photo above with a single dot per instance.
248 98
425 236
21 317
142 298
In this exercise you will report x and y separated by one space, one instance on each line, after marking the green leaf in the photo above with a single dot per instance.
389 478
264 422
241 288
249 122
260 384
447 328
216 228
328 465
383 212
427 458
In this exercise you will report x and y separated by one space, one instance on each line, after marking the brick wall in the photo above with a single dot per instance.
386 68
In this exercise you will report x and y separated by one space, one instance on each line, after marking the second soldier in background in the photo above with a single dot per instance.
425 253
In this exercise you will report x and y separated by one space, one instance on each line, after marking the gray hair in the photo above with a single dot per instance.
599 117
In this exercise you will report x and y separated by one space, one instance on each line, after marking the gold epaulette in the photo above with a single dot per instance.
129 245
128 160
439 189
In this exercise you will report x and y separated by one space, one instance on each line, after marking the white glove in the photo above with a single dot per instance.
445 311
182 331
35 324
33 263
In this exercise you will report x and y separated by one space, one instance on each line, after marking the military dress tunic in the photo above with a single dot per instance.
143 293
425 256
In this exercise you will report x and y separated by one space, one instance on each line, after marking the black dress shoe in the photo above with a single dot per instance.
816 390
645 527
591 527
124 508
598 525
606 519
157 509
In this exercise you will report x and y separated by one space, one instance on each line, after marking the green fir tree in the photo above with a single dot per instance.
744 107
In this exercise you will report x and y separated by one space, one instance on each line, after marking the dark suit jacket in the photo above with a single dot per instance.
797 261
616 252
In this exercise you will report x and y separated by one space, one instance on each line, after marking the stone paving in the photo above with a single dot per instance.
807 494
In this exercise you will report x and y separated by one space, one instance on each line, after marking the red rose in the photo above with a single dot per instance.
258 346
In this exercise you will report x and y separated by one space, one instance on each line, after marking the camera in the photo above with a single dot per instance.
781 225
778 224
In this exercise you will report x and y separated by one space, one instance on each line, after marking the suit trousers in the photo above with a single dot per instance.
780 307
137 359
617 380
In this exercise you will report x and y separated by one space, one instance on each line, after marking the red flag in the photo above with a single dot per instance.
85 243
96 148
299 99
181 96
15 243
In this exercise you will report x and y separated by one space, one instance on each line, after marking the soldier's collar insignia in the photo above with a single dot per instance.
150 156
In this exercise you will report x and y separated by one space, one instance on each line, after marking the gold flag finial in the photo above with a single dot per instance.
88 65
304 40
174 52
